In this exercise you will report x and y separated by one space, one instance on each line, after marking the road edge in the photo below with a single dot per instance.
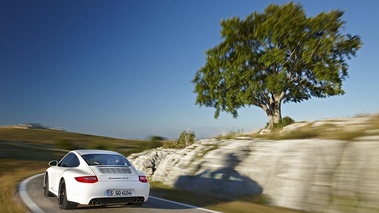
25 196
183 204
33 207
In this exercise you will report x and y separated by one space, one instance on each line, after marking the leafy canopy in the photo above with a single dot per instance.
280 55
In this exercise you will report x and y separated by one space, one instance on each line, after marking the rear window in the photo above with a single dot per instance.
106 159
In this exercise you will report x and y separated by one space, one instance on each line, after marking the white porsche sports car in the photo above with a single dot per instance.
95 177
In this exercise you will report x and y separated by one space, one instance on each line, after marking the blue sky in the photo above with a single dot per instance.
123 68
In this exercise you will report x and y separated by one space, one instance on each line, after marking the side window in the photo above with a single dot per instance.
66 160
69 160
74 162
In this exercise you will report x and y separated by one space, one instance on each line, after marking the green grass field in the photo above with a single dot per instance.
25 152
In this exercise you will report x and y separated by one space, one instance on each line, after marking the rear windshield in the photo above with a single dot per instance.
106 159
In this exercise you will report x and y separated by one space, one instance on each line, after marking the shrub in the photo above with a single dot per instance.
287 121
186 138
284 122
157 138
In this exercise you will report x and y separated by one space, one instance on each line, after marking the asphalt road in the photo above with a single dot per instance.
49 204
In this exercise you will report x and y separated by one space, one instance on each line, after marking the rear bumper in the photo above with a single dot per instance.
85 193
116 200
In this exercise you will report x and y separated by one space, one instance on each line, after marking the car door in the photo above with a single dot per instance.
56 174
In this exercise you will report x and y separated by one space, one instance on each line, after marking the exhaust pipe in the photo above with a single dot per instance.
138 200
96 202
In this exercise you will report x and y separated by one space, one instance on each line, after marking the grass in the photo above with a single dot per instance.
67 140
244 205
325 131
19 160
230 135
8 182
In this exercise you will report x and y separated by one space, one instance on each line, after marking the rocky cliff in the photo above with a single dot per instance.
315 175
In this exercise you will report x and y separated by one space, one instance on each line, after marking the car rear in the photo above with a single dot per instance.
118 182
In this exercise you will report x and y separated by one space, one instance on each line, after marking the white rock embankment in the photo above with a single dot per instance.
315 175
148 161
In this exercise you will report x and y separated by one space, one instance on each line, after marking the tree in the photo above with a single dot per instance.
275 57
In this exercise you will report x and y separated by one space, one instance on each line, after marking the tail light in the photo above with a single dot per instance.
86 179
143 179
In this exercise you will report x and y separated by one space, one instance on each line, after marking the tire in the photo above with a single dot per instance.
47 193
62 198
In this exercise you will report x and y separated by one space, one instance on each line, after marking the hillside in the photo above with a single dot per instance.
70 140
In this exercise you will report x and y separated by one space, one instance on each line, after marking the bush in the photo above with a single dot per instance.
186 138
284 122
157 138
287 121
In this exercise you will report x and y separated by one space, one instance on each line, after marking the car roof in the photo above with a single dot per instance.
95 151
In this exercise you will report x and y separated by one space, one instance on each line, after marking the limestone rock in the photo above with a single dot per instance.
149 160
315 175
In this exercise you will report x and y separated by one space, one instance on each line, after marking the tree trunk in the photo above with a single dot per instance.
274 113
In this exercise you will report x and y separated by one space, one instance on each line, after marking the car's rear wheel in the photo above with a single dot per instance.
47 193
62 198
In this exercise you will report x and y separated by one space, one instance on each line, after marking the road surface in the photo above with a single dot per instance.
34 191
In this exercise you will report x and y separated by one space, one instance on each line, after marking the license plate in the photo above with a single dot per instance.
120 192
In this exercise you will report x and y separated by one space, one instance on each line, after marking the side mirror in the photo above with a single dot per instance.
53 163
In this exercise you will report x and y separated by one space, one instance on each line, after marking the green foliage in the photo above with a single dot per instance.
157 138
284 122
102 146
280 55
186 138
170 145
287 121
153 144
65 144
